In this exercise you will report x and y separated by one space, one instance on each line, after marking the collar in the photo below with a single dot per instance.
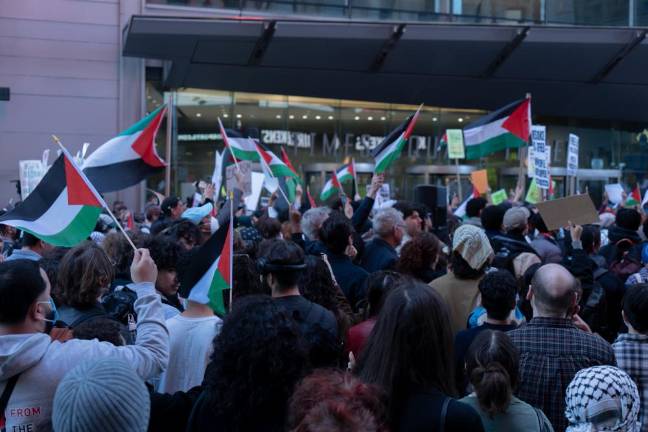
627 337
551 322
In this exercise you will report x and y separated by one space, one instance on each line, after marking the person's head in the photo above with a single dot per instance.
498 290
9 232
312 221
492 365
165 253
185 233
120 253
269 228
516 221
410 345
101 395
257 359
316 283
602 398
591 238
377 286
419 254
411 216
471 252
388 225
101 328
281 263
33 243
246 279
51 263
628 218
172 207
475 206
330 400
554 292
336 233
492 218
635 308
152 213
25 303
85 275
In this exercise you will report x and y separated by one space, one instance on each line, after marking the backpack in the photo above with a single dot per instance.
119 305
625 263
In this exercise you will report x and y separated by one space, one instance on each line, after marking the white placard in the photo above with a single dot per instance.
614 193
252 200
530 162
31 173
540 156
572 155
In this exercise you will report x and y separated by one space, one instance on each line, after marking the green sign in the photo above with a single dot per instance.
499 197
455 144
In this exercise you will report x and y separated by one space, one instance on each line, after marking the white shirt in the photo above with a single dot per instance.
190 348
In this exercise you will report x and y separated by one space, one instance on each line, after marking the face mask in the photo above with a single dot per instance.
51 317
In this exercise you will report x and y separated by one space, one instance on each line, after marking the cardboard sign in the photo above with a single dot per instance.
614 193
579 209
455 144
31 173
499 197
246 181
480 180
572 155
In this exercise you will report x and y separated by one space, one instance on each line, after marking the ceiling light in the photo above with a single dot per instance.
434 119
317 117
356 118
278 116
198 115
383 118
369 118
225 115
460 120
304 116
291 116
239 115
330 117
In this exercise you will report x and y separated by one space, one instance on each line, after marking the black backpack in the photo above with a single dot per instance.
625 262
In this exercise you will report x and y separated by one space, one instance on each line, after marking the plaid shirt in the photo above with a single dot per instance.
631 351
552 350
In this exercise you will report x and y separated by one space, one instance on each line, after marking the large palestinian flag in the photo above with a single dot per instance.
508 127
277 167
332 187
391 147
209 273
62 210
242 148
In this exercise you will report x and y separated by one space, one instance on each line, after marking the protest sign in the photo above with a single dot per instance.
499 197
534 195
480 180
530 162
252 200
614 193
540 156
572 155
577 209
455 144
232 182
31 172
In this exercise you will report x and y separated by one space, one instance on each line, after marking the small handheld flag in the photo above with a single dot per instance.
635 197
391 147
332 187
276 166
286 160
242 148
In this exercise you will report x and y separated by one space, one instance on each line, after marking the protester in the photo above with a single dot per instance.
459 288
166 253
378 285
552 347
641 277
419 258
545 244
311 223
32 363
492 218
409 355
336 235
280 265
258 358
184 233
8 235
101 395
513 243
498 291
380 253
602 398
172 209
492 364
120 253
474 208
32 248
623 253
152 213
101 328
412 219
631 348
334 401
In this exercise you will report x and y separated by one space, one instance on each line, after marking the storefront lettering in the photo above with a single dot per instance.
290 139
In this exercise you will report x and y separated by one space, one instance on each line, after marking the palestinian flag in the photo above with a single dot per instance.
443 141
209 272
635 197
508 127
391 147
331 188
242 148
311 200
276 166
128 158
62 210
286 160
346 173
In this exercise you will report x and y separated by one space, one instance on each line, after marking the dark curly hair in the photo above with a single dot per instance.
418 254
316 284
246 279
51 262
185 233
164 251
258 358
332 400
268 227
102 328
84 274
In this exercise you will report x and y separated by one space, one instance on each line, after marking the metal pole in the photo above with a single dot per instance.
458 180
169 139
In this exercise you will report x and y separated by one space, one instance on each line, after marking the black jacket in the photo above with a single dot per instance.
350 277
610 251
379 255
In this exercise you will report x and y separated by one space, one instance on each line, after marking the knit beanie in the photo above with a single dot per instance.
104 395
473 245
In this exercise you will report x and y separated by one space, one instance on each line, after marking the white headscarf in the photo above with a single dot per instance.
602 398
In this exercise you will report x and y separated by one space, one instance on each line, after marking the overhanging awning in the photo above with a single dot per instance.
589 73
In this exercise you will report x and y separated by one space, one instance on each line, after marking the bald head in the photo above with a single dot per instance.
554 291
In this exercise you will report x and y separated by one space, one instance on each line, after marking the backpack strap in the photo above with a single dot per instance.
4 399
444 413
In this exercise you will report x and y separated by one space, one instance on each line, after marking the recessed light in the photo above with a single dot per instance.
198 115
225 115
291 116
304 116
148 97
383 118
239 115
356 118
317 117
278 116
369 118
434 119
460 120
330 117
154 101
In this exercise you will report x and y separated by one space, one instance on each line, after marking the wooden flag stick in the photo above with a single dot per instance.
230 246
227 144
99 198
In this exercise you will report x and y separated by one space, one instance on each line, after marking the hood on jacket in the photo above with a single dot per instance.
20 352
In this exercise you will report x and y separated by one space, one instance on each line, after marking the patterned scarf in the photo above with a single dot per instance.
602 398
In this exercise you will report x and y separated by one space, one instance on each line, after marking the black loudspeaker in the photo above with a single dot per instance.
436 199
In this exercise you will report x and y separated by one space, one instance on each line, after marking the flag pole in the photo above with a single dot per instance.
99 198
355 177
231 281
522 154
227 144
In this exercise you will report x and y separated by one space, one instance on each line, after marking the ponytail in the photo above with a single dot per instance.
493 387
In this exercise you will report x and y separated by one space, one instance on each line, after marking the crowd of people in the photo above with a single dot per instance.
343 317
